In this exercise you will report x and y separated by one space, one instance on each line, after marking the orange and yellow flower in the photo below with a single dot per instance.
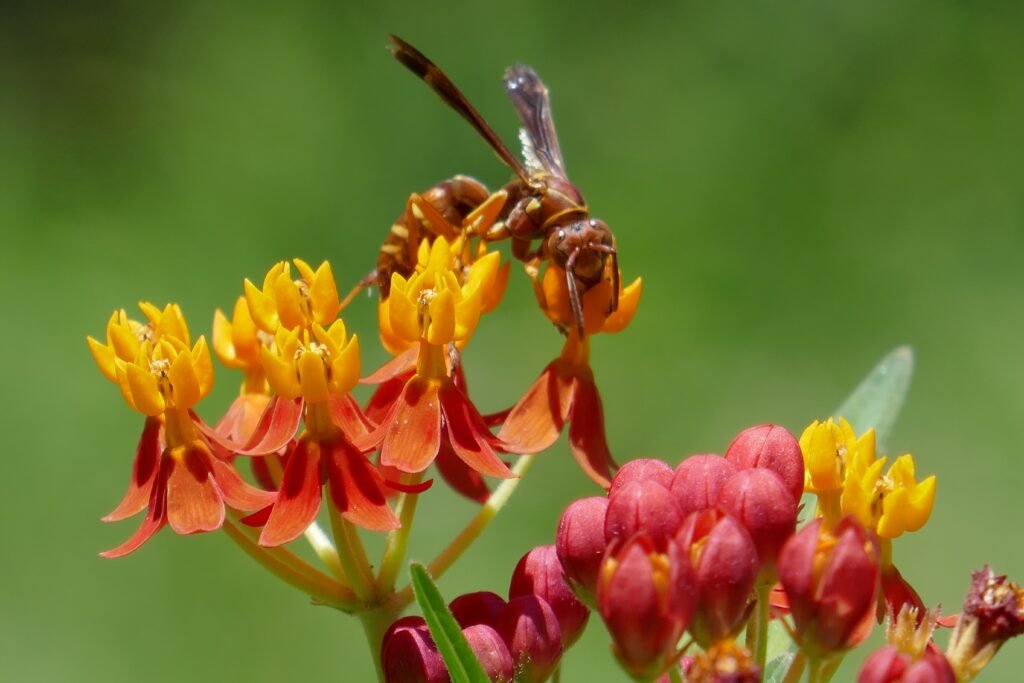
175 473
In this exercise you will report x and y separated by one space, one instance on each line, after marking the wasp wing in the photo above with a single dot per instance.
529 95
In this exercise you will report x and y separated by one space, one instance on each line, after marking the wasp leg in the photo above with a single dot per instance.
574 294
604 248
366 282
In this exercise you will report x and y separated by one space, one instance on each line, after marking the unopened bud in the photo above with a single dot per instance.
530 629
482 607
759 501
889 665
642 469
408 654
642 506
697 481
580 544
491 651
774 448
540 573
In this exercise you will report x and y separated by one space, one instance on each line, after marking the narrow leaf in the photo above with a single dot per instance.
878 399
462 664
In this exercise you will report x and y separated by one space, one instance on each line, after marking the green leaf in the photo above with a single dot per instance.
878 399
875 402
462 664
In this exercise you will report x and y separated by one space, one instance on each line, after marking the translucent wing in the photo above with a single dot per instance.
530 97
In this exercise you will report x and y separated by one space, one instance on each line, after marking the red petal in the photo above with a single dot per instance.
897 593
535 422
242 417
194 504
413 432
236 492
401 364
154 521
385 397
586 432
407 488
460 476
298 501
470 438
276 428
269 479
144 470
258 518
348 417
357 489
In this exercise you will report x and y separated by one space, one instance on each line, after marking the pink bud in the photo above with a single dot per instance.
580 544
725 567
482 607
774 448
888 665
646 598
759 501
408 654
642 506
530 629
697 481
540 573
492 652
832 583
642 469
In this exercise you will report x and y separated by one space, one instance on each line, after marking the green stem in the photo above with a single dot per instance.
829 668
497 500
763 589
375 622
294 571
673 673
352 556
814 670
397 541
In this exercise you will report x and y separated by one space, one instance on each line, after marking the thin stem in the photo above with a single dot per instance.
375 622
814 670
352 555
290 568
829 668
497 500
763 588
315 536
673 673
397 541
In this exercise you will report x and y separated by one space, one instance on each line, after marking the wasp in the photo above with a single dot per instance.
540 204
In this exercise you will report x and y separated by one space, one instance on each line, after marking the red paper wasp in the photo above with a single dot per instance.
540 204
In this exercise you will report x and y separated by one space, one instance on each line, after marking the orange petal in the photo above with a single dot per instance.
242 417
298 500
194 504
347 416
383 400
144 471
586 432
399 365
236 492
469 436
357 489
461 477
540 415
413 431
276 427
154 521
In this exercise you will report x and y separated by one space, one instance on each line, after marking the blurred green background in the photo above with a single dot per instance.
803 186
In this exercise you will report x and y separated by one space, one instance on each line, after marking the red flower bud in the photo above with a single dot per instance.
540 573
646 598
642 469
759 500
889 665
772 447
698 480
530 629
580 544
409 655
642 506
492 652
725 567
832 583
482 607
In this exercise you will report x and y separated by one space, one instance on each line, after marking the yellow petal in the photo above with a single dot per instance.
629 299
261 308
122 338
323 295
289 303
275 272
922 500
313 377
345 367
442 318
184 381
104 357
152 313
203 366
394 344
172 324
244 334
440 255
145 393
404 316
280 375
305 271
223 344
495 292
